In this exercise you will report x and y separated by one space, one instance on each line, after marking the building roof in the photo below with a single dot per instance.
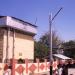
20 20
18 24
61 56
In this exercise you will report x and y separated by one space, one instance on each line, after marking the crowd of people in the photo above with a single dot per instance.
63 66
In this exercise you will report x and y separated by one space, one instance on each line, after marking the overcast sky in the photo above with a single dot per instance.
28 10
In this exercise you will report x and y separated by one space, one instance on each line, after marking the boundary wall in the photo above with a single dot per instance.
27 68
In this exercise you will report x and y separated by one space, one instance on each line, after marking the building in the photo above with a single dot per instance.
16 38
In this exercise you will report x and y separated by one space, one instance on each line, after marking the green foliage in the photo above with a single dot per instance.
42 47
69 48
41 50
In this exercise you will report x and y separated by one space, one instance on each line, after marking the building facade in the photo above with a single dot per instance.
16 38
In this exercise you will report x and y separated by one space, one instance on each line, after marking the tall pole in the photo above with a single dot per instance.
50 37
50 30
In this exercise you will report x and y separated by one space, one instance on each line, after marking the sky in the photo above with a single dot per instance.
29 10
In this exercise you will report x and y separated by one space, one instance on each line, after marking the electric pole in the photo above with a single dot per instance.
50 38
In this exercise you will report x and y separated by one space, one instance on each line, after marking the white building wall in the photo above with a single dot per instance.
24 46
10 43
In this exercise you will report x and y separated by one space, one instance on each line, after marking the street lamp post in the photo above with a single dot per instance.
50 37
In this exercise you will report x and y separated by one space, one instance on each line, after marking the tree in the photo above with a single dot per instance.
42 49
69 48
45 39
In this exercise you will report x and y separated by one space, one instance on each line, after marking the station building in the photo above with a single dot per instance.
16 39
